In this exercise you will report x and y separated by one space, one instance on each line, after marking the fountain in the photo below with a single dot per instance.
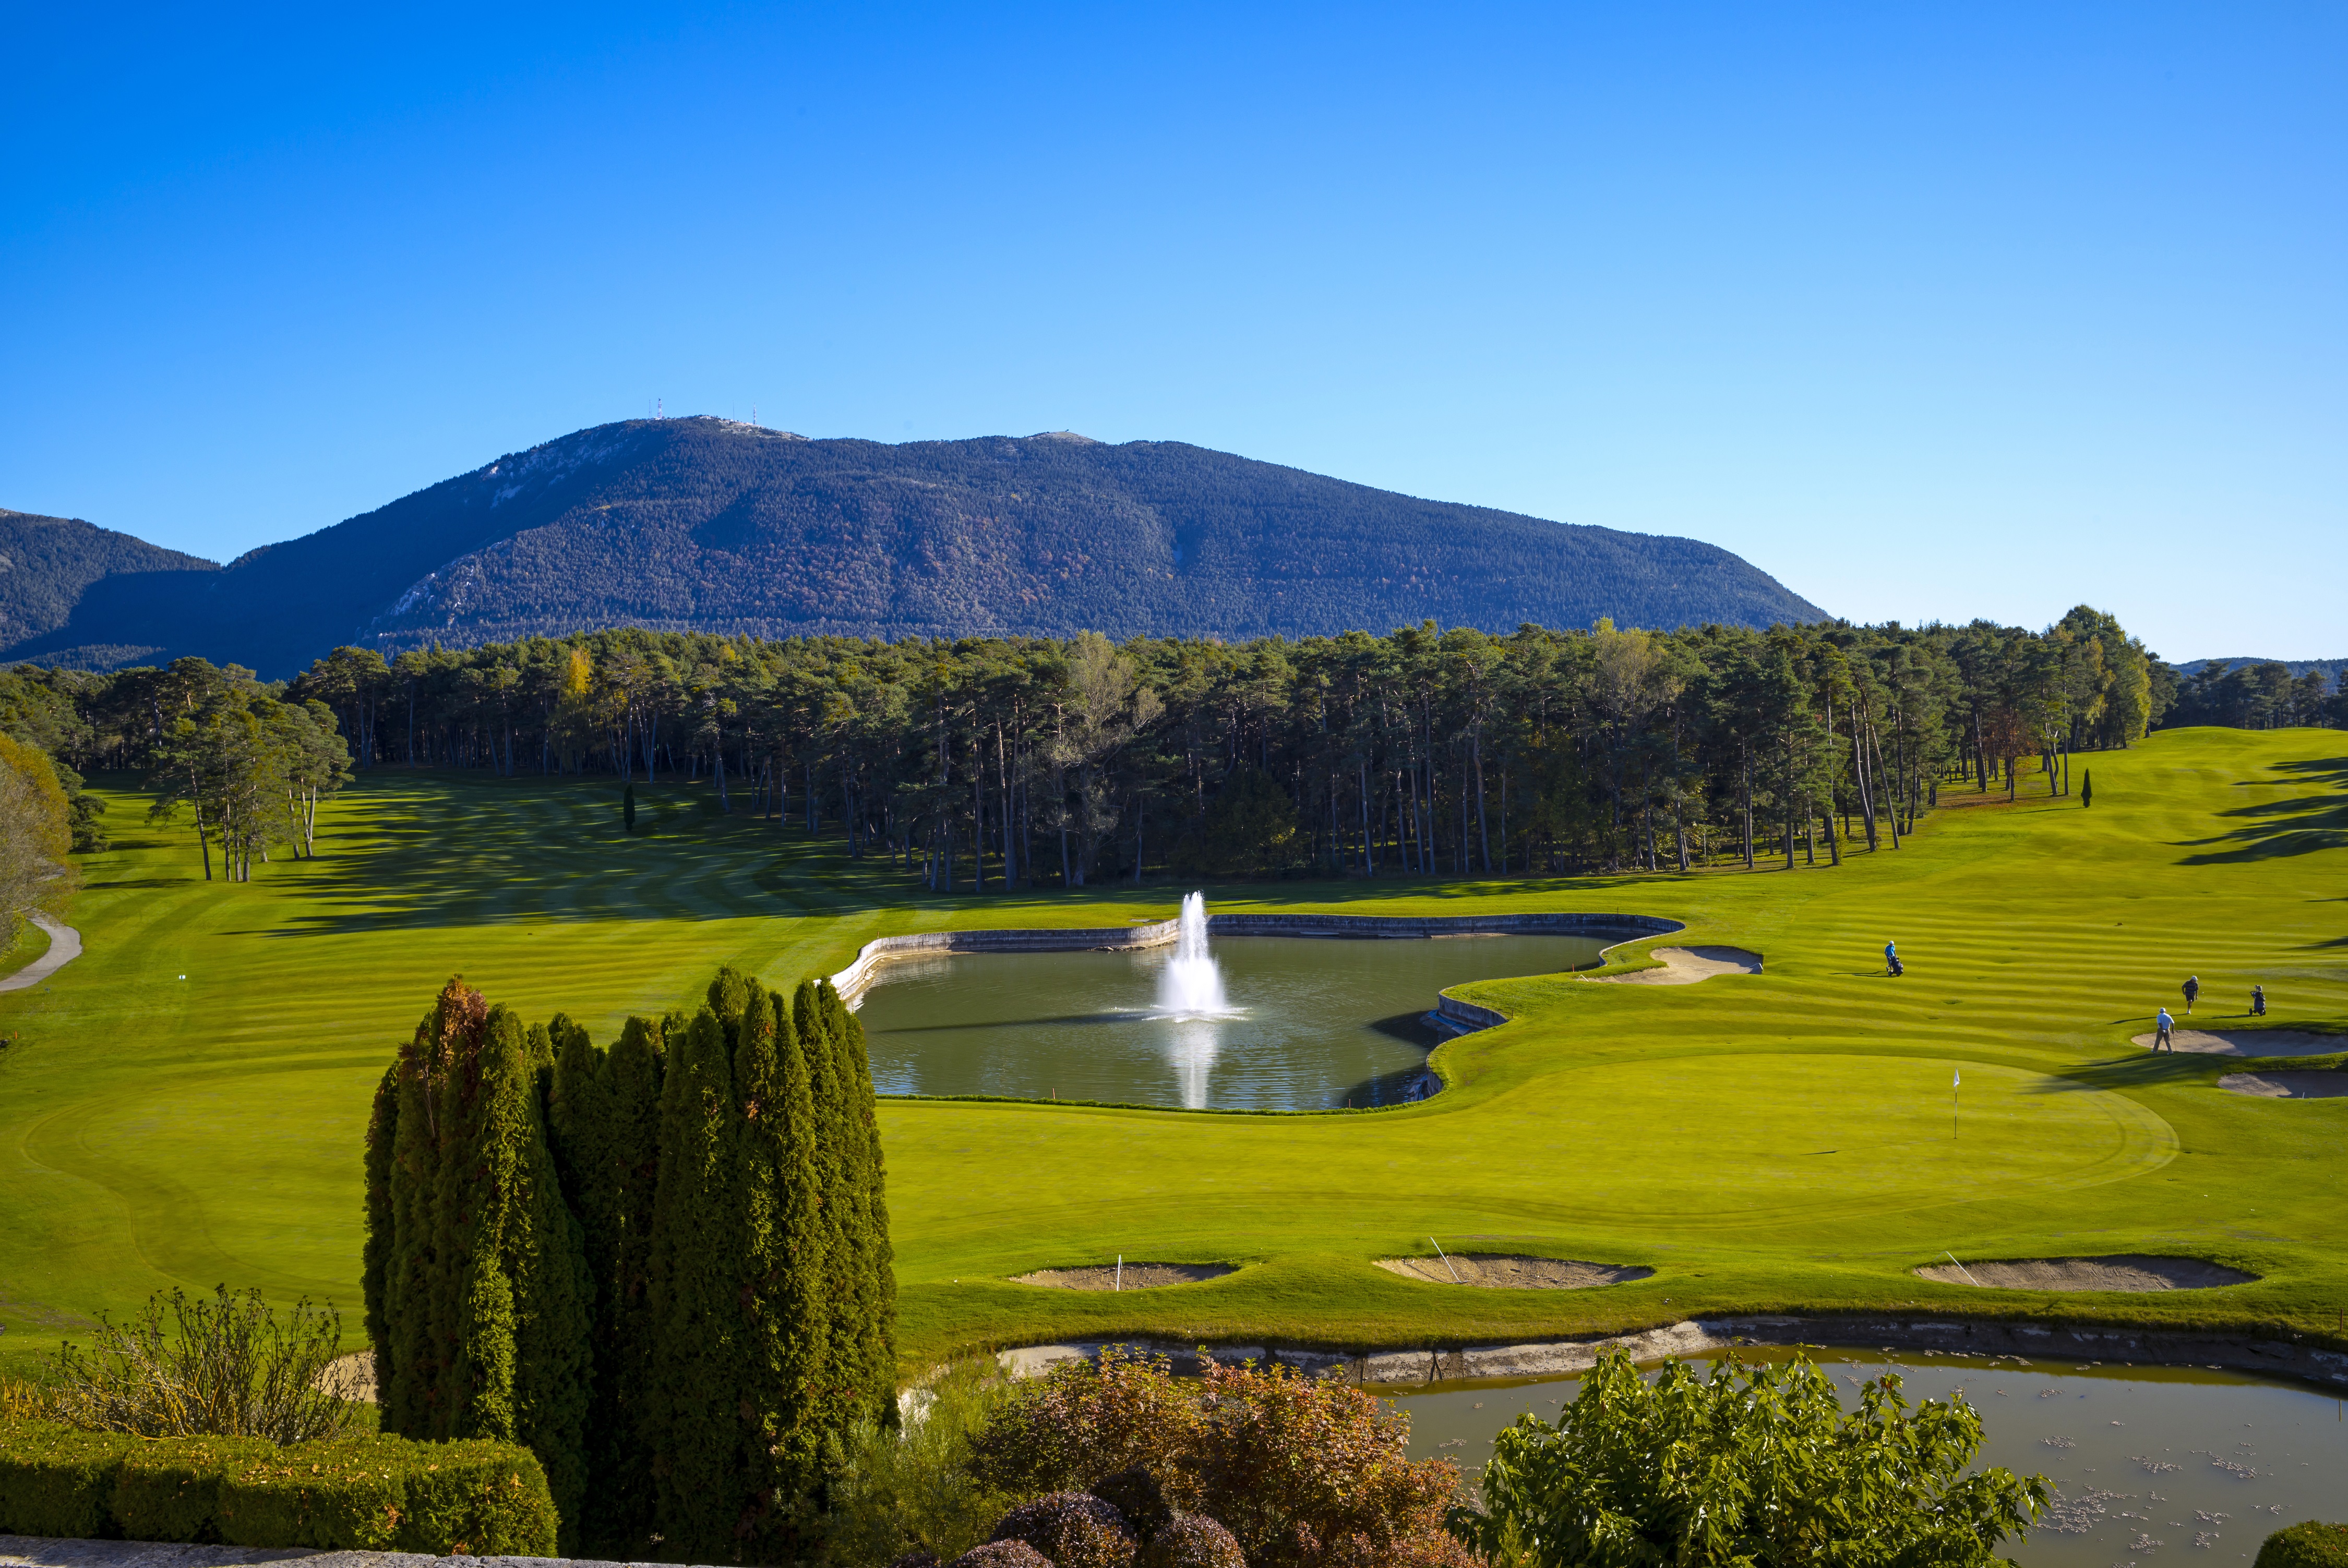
1260 1022
1192 984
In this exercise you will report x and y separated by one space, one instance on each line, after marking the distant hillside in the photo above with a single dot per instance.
48 565
2331 667
716 526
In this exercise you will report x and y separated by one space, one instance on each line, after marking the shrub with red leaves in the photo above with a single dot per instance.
1192 1540
1001 1554
1073 1529
1303 1473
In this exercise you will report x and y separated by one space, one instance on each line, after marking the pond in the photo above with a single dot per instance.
2149 1463
1303 1023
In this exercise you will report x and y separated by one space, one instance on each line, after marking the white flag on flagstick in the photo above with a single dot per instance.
1957 1079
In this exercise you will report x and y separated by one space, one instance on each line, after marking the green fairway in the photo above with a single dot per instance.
1775 1141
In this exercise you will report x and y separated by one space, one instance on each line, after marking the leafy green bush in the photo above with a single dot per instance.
1756 1464
57 1480
171 1491
2313 1544
371 1494
910 1487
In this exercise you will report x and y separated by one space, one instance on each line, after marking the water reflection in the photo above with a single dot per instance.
1191 1047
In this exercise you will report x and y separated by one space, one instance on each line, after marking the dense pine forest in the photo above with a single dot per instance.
985 764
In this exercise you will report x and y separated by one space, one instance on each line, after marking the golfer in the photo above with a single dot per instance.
1891 959
2162 1038
2192 989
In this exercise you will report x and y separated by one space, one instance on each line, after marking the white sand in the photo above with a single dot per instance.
1138 1275
2123 1271
2250 1041
2288 1085
1685 966
1506 1271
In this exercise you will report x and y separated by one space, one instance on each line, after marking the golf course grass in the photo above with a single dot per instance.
186 1103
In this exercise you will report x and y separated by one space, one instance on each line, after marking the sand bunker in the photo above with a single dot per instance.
350 1376
2288 1085
2251 1042
1138 1275
2123 1271
1505 1271
1685 966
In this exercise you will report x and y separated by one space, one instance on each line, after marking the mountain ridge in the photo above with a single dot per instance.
712 525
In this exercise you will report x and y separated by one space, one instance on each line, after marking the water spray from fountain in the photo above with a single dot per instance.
1192 984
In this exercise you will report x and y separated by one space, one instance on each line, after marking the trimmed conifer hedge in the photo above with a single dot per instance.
359 1494
664 1268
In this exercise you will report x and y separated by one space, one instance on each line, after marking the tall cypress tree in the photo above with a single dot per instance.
730 994
620 1492
376 1259
843 1296
480 1194
693 1404
415 1401
787 1333
544 1252
876 1263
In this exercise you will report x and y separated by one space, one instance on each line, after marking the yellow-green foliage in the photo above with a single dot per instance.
362 1494
2313 1544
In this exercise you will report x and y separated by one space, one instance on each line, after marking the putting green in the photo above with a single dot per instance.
1763 1141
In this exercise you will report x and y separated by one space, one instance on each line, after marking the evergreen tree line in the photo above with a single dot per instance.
986 763
2257 697
664 1266
248 761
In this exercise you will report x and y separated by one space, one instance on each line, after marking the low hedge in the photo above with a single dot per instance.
2313 1544
354 1494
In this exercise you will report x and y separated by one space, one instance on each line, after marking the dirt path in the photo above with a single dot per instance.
2250 1041
65 946
1685 966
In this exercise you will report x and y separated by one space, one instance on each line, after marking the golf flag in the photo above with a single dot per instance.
1957 1079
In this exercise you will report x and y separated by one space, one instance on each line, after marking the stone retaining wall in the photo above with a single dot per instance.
853 982
2268 1355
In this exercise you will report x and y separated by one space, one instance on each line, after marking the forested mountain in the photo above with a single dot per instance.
48 565
706 524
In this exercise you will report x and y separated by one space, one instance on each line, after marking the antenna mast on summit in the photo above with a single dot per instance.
657 409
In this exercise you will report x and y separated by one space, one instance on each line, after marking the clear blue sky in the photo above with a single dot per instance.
1930 311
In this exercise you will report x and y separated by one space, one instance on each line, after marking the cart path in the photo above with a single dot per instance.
65 946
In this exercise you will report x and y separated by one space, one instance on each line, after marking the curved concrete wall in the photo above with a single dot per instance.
853 982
